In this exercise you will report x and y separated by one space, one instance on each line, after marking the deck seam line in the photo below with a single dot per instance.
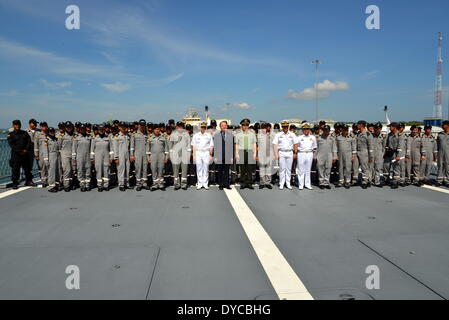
152 274
401 269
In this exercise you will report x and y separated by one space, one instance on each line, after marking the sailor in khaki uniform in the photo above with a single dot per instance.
347 152
81 157
121 144
265 155
429 144
50 149
139 151
326 155
158 149
413 156
40 142
202 148
179 146
285 144
102 155
379 140
443 155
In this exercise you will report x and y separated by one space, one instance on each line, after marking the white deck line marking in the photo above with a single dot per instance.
11 192
284 280
436 189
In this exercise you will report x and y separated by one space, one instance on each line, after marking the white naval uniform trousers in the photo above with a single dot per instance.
202 143
285 143
306 147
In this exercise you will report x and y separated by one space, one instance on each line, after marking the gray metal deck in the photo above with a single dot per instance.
190 244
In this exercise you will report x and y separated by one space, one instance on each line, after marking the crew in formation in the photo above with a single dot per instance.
144 155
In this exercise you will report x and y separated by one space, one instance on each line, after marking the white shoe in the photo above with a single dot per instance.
206 187
310 188
198 187
281 187
301 188
289 188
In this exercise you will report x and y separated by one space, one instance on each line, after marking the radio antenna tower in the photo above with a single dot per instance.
438 100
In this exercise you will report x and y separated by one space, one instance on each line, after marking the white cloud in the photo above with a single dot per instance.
323 90
243 106
116 86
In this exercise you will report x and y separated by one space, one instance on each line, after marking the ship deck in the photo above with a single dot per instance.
238 244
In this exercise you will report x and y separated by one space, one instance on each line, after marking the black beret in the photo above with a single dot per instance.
51 129
362 122
44 124
378 125
33 121
245 122
68 124
16 122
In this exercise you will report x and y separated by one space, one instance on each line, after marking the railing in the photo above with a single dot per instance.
5 156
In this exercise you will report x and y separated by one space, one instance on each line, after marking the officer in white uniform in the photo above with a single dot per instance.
202 148
285 145
306 149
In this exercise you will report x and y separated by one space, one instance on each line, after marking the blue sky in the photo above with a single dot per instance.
155 59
